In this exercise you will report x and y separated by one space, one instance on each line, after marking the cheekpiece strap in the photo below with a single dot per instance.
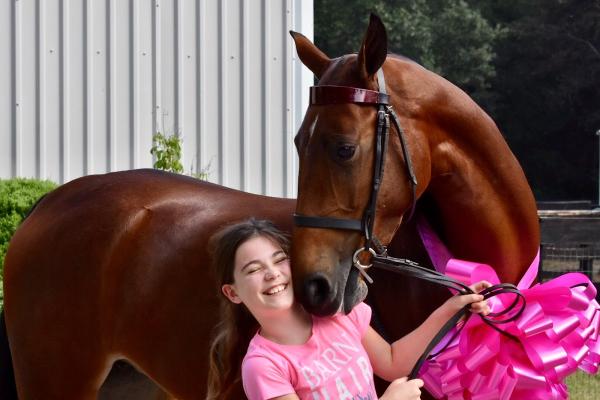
326 94
381 80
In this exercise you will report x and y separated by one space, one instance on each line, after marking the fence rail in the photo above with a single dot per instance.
570 242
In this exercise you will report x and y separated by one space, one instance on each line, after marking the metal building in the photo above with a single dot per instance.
85 83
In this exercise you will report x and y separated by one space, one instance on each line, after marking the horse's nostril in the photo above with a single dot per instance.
317 290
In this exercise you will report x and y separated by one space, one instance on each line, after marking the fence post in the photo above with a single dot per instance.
586 262
540 271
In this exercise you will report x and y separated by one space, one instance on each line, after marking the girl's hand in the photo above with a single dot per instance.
478 304
403 389
481 306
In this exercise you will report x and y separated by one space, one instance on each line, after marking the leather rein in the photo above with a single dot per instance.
324 95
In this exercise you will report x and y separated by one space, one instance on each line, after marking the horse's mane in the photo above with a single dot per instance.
402 57
396 56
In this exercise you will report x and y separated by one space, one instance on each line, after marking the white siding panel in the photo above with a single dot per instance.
88 82
144 106
253 115
231 154
17 89
52 95
276 97
210 88
166 64
121 80
28 92
75 87
99 88
188 82
7 93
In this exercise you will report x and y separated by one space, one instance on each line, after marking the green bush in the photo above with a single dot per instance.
17 196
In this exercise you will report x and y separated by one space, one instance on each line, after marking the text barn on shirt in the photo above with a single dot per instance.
341 355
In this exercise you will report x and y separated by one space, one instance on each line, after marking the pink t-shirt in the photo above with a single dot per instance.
332 364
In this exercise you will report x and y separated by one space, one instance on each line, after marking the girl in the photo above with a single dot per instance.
293 355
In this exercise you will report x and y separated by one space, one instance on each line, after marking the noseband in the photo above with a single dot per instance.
324 95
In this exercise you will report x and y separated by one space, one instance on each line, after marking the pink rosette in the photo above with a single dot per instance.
556 334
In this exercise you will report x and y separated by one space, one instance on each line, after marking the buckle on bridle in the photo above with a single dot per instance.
362 268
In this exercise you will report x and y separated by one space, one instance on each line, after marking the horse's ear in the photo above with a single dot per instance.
373 49
310 55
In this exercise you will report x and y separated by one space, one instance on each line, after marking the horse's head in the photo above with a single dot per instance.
337 145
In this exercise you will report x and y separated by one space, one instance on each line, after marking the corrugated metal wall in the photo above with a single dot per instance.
85 83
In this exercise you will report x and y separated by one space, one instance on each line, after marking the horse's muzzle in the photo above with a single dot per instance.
319 295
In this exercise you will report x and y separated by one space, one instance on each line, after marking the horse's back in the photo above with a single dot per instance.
89 225
116 266
101 210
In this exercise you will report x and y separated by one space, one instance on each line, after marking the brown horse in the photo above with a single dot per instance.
114 267
470 186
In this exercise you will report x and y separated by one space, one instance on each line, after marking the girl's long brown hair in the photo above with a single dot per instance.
237 326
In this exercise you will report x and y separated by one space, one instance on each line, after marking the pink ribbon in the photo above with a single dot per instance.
556 334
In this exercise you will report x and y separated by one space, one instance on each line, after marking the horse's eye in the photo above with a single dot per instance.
345 151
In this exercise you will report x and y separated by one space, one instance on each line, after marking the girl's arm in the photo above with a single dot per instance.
396 360
287 397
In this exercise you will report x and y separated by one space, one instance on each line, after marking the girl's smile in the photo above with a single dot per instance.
275 290
262 277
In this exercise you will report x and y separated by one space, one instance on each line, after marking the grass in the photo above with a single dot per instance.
583 386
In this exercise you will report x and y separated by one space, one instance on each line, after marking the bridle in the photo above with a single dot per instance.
323 95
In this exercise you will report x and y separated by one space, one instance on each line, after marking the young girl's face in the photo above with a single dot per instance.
261 278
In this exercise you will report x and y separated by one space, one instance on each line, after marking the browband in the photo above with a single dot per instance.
329 94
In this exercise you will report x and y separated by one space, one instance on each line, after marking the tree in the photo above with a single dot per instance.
546 94
450 38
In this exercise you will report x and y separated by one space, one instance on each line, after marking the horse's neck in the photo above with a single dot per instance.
483 207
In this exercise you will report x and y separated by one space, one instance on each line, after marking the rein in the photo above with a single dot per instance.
414 270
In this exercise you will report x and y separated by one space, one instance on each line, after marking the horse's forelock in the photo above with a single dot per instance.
344 71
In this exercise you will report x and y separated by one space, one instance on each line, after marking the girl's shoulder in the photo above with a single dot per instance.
266 375
261 355
268 360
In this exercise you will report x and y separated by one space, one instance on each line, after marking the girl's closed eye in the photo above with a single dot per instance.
252 269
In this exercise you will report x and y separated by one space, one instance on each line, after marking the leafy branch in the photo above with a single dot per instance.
167 151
